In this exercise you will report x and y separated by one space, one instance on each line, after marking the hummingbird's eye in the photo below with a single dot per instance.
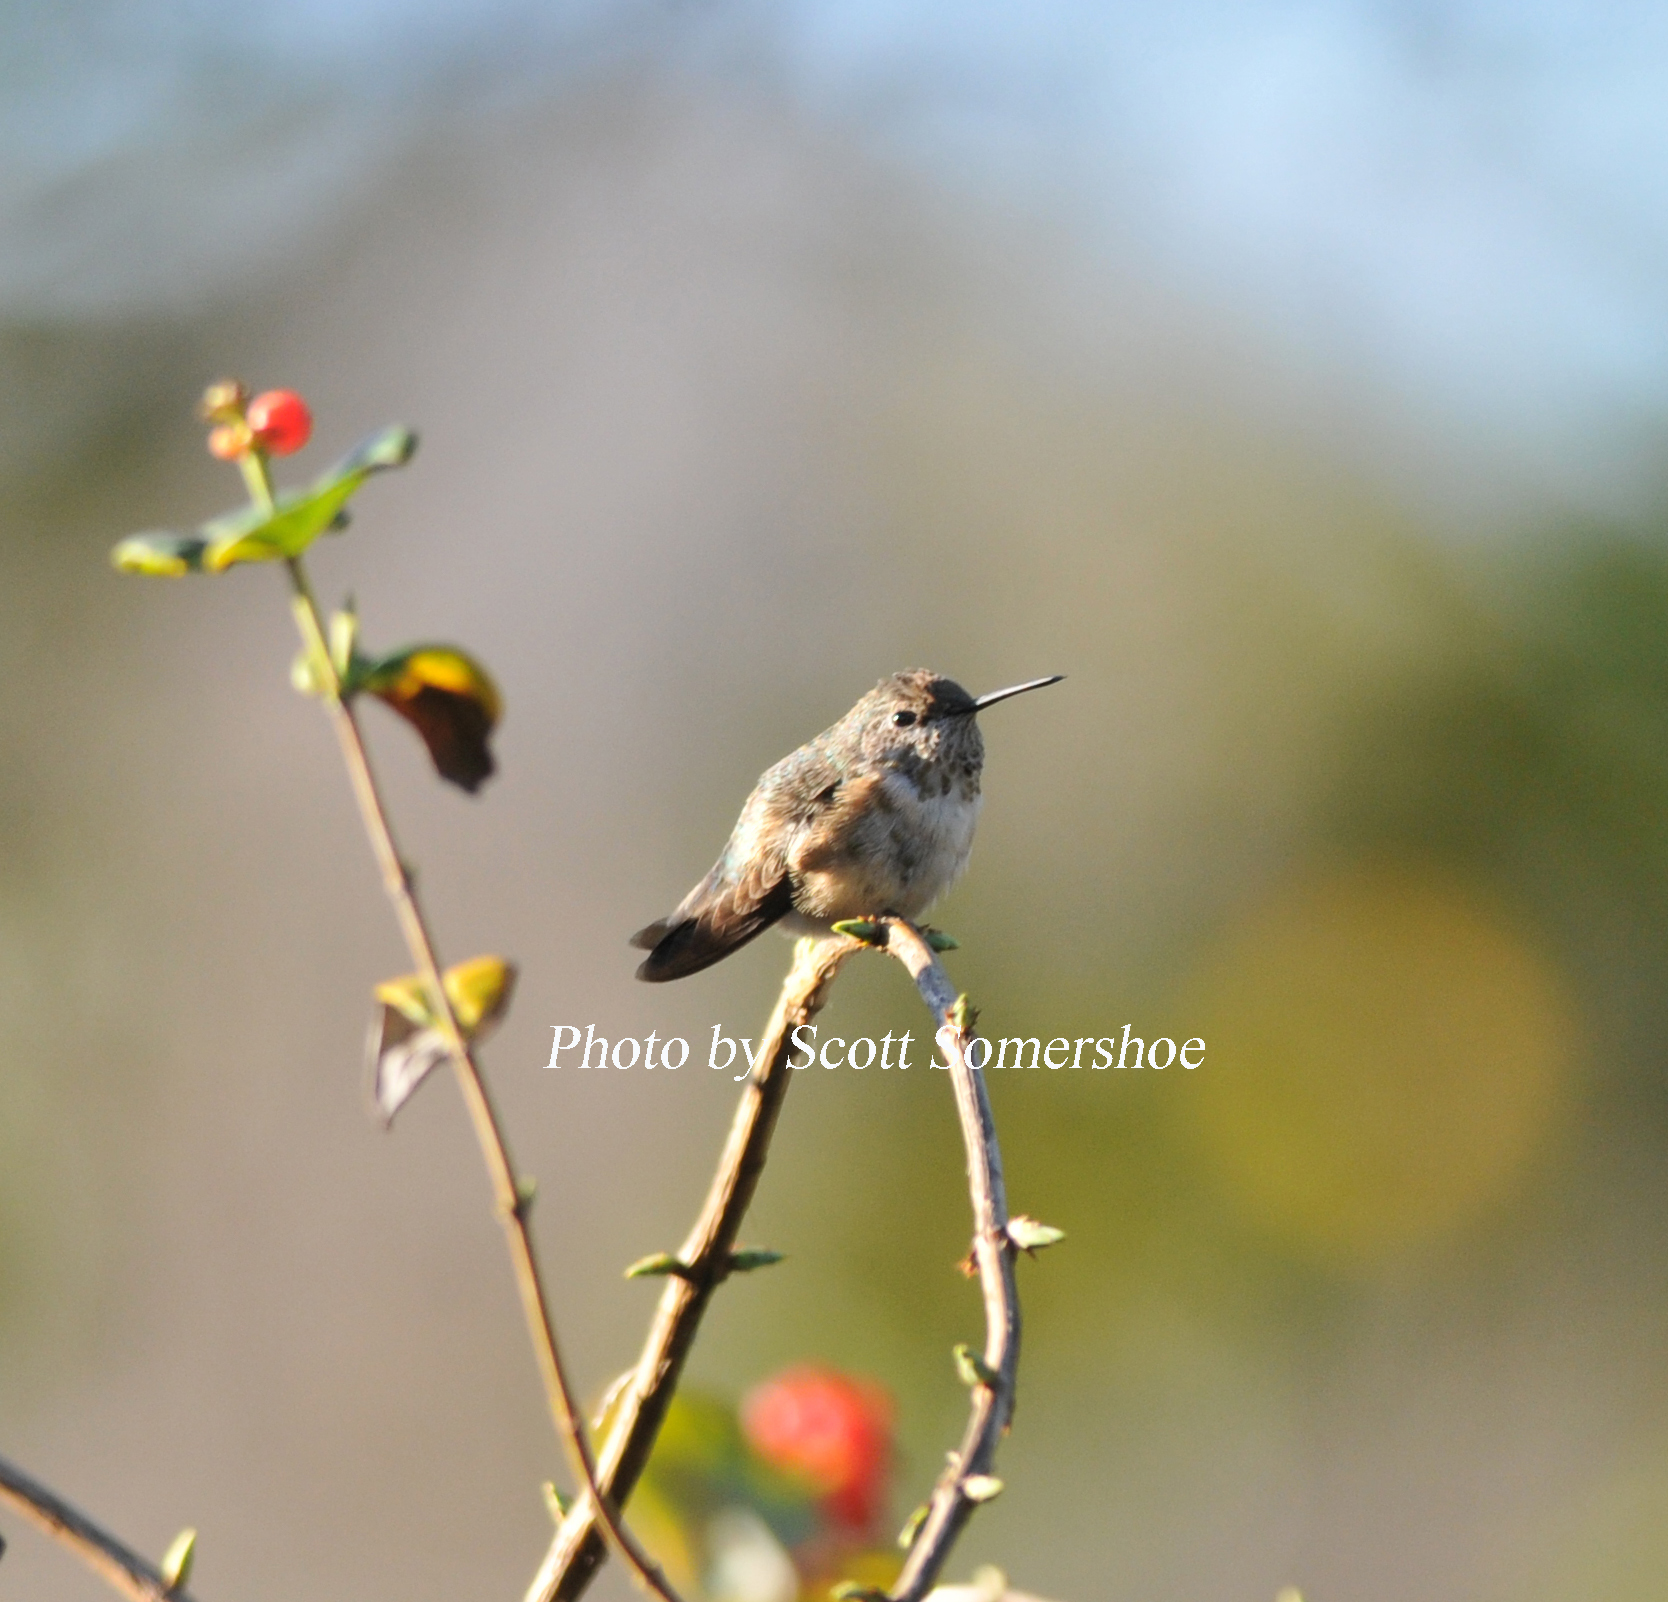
902 720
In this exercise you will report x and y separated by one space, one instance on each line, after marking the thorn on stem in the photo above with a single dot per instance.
659 1263
1029 1235
912 1526
864 929
972 1369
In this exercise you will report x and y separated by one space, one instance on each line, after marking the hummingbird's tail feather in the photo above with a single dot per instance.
678 946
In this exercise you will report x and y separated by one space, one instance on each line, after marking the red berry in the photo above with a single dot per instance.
280 421
833 1430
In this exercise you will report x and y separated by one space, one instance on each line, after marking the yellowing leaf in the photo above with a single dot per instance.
160 555
479 991
451 701
406 1044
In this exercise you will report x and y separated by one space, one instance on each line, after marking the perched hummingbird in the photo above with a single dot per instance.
874 816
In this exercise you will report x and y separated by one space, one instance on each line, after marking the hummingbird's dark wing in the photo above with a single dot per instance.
727 919
749 887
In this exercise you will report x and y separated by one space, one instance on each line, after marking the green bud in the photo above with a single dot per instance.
859 929
981 1487
305 677
912 1526
1028 1235
746 1258
175 1567
344 633
657 1263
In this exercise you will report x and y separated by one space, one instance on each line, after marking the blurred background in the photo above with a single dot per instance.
1294 378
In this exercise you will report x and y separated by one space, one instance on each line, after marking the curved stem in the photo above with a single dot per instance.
123 1570
991 1405
704 1261
508 1201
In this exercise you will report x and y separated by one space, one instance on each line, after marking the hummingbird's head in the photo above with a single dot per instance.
919 721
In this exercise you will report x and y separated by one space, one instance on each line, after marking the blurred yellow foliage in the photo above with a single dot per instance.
1388 1050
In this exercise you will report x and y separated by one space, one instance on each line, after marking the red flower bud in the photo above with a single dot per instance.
223 402
229 441
832 1430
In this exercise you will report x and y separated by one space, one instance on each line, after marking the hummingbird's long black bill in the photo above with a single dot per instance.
1015 689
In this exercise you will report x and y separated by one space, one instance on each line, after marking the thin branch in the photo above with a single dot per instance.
991 1402
508 1201
123 1570
704 1261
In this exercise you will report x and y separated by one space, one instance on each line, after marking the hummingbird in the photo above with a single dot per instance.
874 817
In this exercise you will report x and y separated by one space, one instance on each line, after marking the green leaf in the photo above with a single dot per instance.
1029 1235
161 555
973 1369
260 534
305 677
451 701
175 1567
744 1259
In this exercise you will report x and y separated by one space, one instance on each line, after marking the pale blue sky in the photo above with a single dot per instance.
1467 202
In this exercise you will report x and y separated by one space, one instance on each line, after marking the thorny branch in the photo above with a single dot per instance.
991 1403
704 1261
510 1202
123 1570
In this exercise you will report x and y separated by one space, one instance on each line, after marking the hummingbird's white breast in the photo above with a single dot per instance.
902 847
